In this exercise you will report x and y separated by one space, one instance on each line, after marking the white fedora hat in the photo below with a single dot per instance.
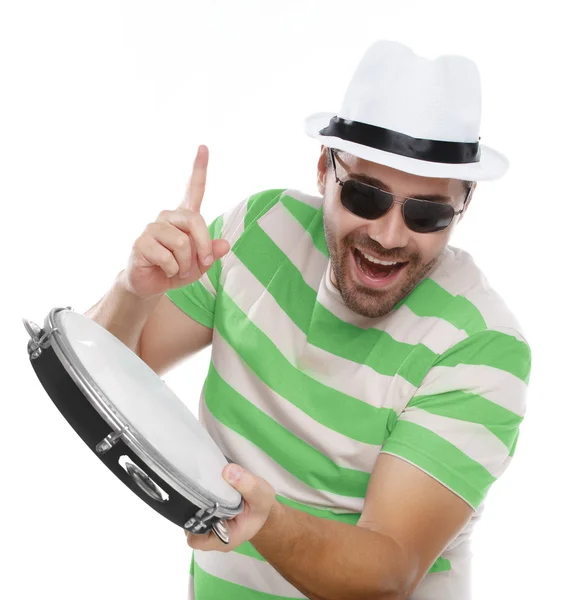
414 114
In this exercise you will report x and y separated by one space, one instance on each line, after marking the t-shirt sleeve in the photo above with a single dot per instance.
198 299
462 425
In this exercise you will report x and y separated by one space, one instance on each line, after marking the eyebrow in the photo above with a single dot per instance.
378 183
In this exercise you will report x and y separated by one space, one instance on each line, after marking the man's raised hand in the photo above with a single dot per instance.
176 249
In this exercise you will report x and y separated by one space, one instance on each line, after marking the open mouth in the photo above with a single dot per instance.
375 272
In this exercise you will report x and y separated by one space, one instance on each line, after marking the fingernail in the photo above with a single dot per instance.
234 473
208 259
184 275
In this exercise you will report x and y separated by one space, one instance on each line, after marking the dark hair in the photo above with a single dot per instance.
466 184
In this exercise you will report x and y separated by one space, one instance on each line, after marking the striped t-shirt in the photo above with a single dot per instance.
306 393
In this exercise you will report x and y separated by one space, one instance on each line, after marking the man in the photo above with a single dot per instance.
365 380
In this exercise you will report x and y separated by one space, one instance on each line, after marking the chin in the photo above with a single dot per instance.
372 308
372 302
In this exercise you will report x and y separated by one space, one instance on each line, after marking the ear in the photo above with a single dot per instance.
321 171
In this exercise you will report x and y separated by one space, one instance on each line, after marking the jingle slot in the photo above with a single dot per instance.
143 481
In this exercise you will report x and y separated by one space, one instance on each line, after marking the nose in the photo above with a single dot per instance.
390 230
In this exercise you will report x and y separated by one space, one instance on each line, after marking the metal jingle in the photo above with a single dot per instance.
34 331
220 530
40 340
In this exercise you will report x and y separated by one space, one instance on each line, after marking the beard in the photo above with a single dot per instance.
366 301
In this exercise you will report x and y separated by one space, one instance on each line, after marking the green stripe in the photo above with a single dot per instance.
492 349
311 220
429 299
322 513
247 549
298 458
215 231
259 204
373 347
333 409
263 258
440 565
216 227
196 301
209 587
472 408
441 459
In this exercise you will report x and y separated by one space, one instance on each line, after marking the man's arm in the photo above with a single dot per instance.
122 313
459 431
166 323
408 520
155 329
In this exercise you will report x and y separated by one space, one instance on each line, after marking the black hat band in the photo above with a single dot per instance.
400 143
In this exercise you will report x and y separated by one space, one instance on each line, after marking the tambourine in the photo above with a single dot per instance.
133 422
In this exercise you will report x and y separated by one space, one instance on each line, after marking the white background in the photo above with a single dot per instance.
103 105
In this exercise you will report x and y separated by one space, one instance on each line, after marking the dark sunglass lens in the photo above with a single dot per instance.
364 201
426 217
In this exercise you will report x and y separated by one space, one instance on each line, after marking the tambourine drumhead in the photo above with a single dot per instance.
157 419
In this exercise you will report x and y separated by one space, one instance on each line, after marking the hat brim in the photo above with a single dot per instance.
492 164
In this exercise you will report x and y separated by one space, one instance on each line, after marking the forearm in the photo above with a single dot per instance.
122 313
329 560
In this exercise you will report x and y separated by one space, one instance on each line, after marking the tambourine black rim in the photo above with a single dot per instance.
158 463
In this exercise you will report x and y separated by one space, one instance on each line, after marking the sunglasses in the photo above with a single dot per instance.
370 202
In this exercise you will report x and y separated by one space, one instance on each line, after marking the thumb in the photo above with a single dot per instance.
220 247
255 490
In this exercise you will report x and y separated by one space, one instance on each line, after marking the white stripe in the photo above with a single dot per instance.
504 466
287 233
455 584
295 242
351 454
458 274
473 439
233 221
315 201
496 385
246 571
233 227
241 451
206 283
190 587
346 376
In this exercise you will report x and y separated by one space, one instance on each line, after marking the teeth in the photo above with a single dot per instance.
376 260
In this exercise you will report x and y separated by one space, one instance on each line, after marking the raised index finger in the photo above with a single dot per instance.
196 185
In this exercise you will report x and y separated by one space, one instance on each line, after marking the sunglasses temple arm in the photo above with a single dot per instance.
466 199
